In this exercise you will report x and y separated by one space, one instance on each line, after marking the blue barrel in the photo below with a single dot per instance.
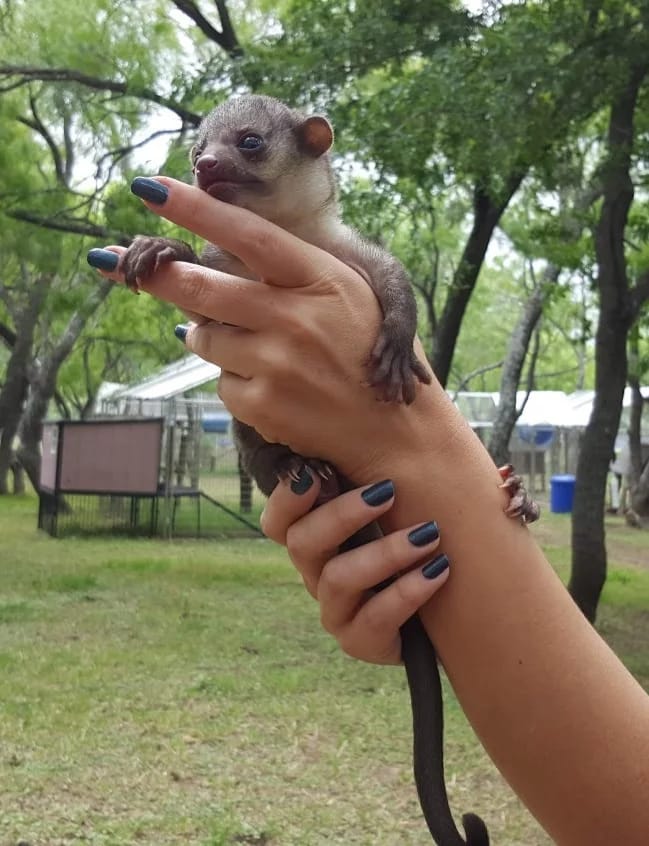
562 493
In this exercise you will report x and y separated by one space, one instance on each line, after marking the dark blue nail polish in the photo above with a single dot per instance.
379 493
425 534
149 189
303 482
435 567
181 331
102 259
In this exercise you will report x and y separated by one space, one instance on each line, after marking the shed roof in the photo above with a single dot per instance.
545 408
542 408
174 379
582 403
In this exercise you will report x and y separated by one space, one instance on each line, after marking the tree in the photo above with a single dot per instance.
618 308
55 137
13 393
43 382
561 241
638 479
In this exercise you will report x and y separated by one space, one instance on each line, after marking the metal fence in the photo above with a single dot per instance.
201 490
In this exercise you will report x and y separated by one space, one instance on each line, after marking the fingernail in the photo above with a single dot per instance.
303 482
379 493
102 259
435 567
149 189
425 534
181 331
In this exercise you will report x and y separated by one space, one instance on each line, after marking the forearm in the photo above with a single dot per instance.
562 718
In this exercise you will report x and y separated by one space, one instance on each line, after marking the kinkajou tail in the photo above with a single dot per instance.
425 685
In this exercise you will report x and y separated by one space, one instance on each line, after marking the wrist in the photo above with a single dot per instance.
433 457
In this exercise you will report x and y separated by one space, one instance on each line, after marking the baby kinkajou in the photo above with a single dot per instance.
257 153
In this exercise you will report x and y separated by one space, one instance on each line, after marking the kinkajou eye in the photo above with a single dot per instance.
194 153
250 141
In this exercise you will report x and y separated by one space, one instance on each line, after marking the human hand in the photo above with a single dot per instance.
364 621
297 339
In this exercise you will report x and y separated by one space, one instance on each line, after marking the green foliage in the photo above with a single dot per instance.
428 100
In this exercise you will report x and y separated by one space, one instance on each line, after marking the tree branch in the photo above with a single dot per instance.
30 74
226 38
228 30
68 146
479 371
77 227
38 126
120 153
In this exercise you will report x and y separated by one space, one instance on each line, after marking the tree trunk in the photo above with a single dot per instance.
486 214
571 226
14 390
7 454
19 477
597 448
640 499
638 480
508 414
635 417
245 489
43 384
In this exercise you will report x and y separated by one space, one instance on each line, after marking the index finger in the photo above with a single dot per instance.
271 252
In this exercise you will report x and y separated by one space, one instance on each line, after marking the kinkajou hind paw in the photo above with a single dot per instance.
521 505
395 369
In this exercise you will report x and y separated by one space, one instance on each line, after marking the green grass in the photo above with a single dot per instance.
183 692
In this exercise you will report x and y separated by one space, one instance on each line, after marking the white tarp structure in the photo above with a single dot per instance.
582 403
152 396
546 408
542 408
176 378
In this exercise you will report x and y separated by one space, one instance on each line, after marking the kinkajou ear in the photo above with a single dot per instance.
315 135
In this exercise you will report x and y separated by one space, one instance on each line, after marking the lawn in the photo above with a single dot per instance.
166 693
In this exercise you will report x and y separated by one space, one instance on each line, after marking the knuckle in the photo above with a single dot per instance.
295 324
194 287
224 390
408 598
278 364
198 341
264 236
298 546
259 408
348 642
259 396
326 621
374 623
272 529
333 582
247 400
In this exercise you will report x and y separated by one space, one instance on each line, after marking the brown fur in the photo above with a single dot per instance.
287 179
